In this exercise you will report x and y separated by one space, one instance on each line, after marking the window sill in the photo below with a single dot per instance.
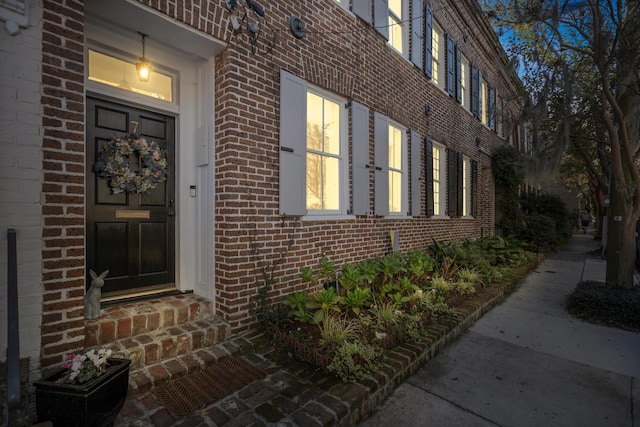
336 217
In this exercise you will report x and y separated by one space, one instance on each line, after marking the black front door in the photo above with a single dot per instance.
132 235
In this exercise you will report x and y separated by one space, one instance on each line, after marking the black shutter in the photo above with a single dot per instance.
475 91
428 168
451 65
452 183
492 108
474 188
480 94
428 41
416 200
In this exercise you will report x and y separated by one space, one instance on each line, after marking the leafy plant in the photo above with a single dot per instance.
357 298
337 330
324 301
355 360
386 315
368 271
464 288
440 285
349 277
307 275
328 270
468 275
297 306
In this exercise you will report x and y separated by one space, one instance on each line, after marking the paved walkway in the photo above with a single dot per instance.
528 362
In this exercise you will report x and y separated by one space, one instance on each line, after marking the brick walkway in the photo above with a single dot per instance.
295 394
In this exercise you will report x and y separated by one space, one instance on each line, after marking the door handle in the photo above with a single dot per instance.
171 211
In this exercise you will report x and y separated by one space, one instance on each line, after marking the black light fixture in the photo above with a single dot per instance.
143 67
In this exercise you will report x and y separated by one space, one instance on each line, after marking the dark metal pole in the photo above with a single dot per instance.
13 348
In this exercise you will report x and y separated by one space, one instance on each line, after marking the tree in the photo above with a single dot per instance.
580 61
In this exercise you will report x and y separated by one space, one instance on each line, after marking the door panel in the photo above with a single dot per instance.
132 235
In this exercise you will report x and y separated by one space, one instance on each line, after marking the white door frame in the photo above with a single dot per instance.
193 110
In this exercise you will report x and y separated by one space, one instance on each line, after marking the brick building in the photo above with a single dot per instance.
292 130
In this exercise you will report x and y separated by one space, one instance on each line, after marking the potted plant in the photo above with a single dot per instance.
90 390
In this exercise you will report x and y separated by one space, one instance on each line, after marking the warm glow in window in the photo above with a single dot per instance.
436 180
324 159
485 103
466 196
395 169
396 25
121 74
464 86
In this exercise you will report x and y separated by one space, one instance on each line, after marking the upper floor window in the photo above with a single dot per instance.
398 28
465 72
439 179
343 3
397 170
438 53
484 103
326 154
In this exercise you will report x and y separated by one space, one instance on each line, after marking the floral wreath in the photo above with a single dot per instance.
113 163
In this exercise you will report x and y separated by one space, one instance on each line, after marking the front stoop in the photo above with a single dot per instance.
165 337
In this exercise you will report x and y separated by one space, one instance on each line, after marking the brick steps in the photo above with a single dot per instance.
143 379
164 338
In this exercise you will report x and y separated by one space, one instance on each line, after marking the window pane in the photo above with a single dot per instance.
323 182
121 74
435 40
314 122
395 191
395 6
331 127
324 164
395 148
465 194
436 180
314 181
331 183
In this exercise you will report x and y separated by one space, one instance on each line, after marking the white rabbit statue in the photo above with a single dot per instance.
93 295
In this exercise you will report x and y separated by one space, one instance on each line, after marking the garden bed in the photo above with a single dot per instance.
366 309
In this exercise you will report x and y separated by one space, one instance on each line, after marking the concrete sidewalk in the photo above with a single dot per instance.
528 362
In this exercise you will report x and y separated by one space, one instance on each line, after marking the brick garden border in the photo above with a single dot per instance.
331 402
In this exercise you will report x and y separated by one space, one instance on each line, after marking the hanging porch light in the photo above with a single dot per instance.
143 67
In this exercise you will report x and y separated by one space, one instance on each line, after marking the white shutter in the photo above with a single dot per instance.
381 17
416 161
293 118
362 8
381 162
417 28
360 162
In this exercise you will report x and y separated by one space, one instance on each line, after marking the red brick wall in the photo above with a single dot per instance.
63 183
339 53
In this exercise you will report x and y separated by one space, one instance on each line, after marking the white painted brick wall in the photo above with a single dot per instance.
21 177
